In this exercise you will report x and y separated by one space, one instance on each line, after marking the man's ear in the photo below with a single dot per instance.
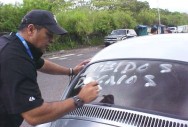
30 29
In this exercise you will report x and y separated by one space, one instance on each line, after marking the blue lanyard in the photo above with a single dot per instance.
25 45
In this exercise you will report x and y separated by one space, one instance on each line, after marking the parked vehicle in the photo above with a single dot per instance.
144 84
172 29
182 29
118 35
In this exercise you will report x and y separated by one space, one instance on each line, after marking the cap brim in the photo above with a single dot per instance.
56 29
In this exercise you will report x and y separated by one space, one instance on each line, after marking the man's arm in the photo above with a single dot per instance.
53 68
53 110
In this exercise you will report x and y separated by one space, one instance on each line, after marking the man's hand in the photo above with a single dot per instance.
80 66
89 92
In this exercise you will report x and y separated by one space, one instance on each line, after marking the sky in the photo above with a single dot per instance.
10 1
171 5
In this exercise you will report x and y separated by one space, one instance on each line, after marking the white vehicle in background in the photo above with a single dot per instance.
118 35
182 29
172 29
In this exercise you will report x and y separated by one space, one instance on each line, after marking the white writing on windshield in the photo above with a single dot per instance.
127 73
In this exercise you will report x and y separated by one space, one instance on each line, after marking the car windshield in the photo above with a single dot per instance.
118 32
171 28
132 32
159 86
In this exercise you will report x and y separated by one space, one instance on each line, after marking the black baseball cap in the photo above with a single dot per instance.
43 18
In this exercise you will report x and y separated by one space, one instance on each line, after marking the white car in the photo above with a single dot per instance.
172 29
144 83
118 35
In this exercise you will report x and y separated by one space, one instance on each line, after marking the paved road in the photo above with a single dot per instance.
52 86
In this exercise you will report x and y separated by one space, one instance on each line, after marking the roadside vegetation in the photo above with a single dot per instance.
87 22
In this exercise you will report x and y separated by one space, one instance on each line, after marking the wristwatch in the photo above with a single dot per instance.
78 102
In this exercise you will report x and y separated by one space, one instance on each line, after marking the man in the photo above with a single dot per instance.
153 30
20 96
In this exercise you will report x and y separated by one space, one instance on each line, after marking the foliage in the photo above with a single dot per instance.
103 24
87 22
11 15
9 18
147 17
77 23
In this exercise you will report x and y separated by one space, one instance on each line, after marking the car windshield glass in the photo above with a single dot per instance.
119 32
172 28
143 84
132 32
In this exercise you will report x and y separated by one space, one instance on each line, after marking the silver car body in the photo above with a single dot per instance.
163 46
118 35
155 48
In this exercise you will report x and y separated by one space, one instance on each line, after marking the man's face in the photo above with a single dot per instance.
41 38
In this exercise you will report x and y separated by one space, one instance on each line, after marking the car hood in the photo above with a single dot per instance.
76 123
80 123
97 116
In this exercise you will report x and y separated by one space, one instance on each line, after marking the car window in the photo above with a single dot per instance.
141 84
172 28
132 32
119 32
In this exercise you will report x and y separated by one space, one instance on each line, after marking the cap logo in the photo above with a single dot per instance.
31 98
22 20
55 18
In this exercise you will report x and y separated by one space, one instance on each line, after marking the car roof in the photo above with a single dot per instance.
161 46
122 29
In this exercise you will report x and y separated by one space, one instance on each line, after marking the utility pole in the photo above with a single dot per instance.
159 17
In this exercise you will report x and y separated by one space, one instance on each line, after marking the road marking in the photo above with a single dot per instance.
61 57
53 58
67 55
80 54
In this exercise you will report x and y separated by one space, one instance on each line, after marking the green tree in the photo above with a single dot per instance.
9 17
147 17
